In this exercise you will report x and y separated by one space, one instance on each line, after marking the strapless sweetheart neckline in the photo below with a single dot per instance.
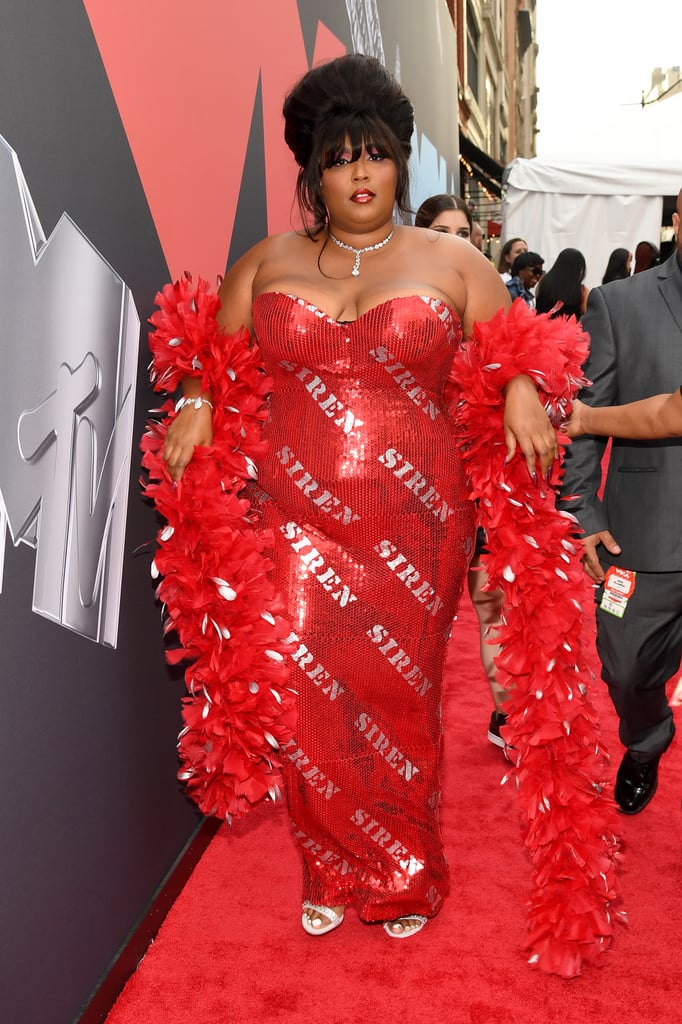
454 315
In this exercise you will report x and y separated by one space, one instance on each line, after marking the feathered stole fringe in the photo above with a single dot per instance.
215 590
568 815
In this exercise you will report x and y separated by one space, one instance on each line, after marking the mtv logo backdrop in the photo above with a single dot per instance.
69 335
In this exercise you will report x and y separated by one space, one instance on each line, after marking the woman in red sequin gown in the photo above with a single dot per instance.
363 488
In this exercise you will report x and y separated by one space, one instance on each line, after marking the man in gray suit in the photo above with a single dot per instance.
632 540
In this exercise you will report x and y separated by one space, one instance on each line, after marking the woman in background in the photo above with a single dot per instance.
512 248
450 214
618 267
646 256
562 285
447 214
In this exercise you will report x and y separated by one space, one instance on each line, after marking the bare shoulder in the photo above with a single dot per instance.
460 271
448 252
438 244
259 254
240 283
435 255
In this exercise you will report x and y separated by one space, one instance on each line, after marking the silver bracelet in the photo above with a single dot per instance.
196 402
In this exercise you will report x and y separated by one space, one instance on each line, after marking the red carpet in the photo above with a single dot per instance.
232 948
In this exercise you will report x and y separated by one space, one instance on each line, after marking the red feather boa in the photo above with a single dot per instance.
214 586
568 815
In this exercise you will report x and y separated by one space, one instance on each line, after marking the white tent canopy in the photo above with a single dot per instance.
592 207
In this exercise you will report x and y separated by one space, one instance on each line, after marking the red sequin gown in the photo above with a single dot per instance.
365 492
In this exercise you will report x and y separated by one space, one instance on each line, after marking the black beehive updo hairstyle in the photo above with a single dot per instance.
355 98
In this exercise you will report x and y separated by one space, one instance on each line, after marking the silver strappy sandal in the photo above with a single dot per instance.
410 925
316 926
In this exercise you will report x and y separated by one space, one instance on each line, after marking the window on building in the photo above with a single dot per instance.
473 47
491 119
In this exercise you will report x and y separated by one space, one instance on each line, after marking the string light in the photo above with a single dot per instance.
470 171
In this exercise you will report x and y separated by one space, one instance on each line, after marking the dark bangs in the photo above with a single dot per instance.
362 131
359 132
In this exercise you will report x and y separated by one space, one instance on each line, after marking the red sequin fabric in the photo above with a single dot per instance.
364 489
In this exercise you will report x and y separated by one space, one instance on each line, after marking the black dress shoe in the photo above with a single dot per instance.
636 783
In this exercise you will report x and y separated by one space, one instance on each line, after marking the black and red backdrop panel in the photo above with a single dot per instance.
156 126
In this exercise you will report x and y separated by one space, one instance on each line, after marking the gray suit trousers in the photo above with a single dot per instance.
639 653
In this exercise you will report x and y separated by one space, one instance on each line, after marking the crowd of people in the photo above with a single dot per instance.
631 537
364 493
632 547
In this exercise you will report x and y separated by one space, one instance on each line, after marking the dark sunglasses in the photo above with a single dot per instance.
538 271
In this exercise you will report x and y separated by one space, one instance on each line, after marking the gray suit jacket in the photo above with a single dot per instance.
635 328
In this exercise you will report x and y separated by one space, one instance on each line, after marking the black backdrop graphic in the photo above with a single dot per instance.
92 816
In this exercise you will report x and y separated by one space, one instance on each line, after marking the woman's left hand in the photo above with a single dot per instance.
527 426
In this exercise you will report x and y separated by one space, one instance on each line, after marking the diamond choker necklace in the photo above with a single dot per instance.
360 252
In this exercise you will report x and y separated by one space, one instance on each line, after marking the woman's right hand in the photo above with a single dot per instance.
190 427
